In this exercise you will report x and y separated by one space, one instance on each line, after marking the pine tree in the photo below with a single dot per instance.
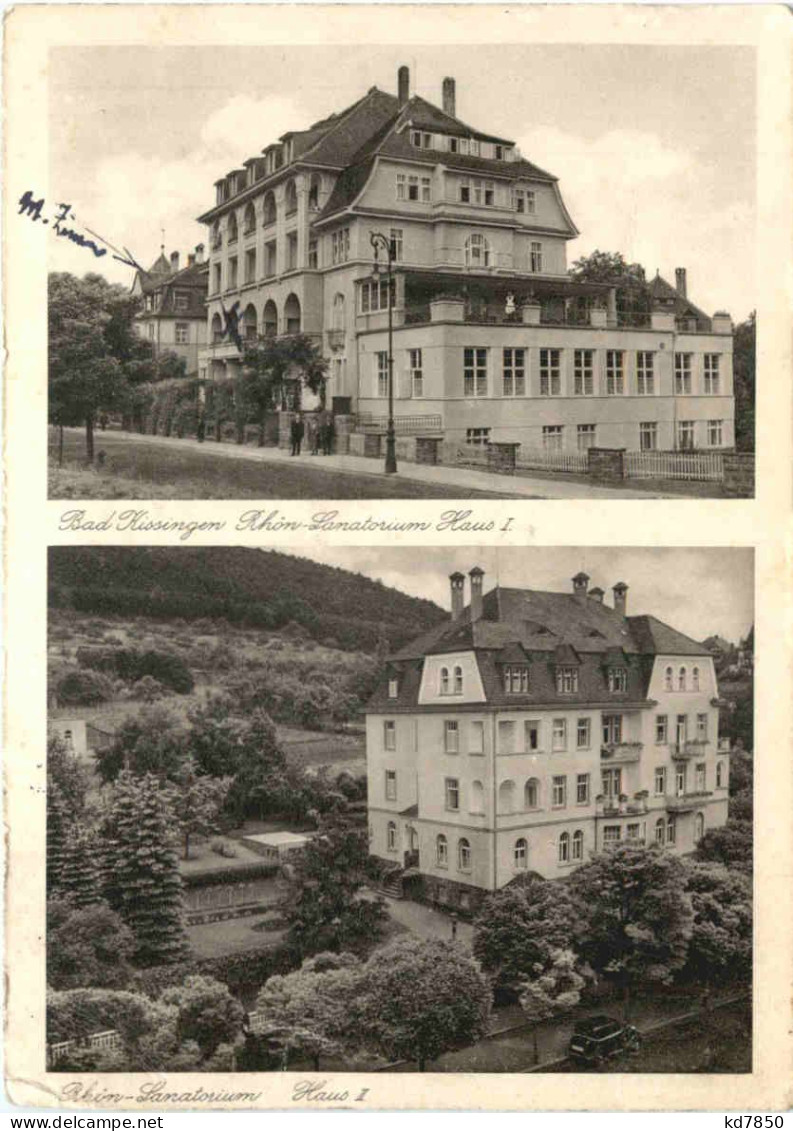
57 835
80 878
142 877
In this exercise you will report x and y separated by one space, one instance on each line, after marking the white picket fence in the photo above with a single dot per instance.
539 459
107 1039
675 465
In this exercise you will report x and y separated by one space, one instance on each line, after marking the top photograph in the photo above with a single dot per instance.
521 271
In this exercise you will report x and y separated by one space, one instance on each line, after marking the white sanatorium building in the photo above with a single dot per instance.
533 729
493 340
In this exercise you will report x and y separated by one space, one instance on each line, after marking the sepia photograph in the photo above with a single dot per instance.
344 812
363 272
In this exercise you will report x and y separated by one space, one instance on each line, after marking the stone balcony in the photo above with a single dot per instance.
692 748
686 802
621 753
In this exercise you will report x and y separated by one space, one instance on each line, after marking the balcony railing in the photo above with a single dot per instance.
685 802
428 425
621 753
691 748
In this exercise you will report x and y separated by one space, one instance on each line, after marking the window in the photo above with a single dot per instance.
701 777
566 681
458 680
584 372
612 834
682 374
506 736
618 679
633 832
291 251
381 361
444 681
521 854
615 373
552 437
680 781
232 228
250 265
583 734
452 795
550 373
479 437
645 377
699 827
393 687
413 188
719 775
668 677
426 190
182 333
685 435
490 193
313 254
181 301
401 182
390 785
474 372
585 437
523 200
578 845
660 831
612 783
559 792
695 679
711 373
582 789
395 236
465 191
535 257
477 797
682 729
340 245
612 730
660 729
564 848
270 258
702 728
477 251
451 733
531 794
233 271
464 855
715 434
476 738
660 781
392 836
671 830
454 144
389 734
559 734
514 372
441 851
681 680
516 679
421 140
531 733
374 296
416 371
648 436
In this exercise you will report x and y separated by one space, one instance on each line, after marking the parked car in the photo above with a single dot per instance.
595 1039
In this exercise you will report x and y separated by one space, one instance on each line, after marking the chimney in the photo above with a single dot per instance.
403 85
680 281
457 581
620 591
597 594
580 583
199 253
191 259
449 97
174 260
476 575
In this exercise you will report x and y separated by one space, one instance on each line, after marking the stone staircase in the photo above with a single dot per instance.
391 885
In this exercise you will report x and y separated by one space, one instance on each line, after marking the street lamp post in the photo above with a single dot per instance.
380 240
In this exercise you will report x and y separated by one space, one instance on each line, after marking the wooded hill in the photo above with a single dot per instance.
244 586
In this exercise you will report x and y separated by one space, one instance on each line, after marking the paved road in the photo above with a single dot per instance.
460 478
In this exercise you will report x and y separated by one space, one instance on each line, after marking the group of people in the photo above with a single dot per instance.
317 429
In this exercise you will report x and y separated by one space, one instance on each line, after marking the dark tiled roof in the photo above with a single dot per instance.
654 636
662 291
346 134
424 115
347 187
192 280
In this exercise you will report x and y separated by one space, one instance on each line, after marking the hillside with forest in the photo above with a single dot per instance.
247 587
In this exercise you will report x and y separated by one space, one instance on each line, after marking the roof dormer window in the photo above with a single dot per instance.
618 679
420 139
566 680
516 679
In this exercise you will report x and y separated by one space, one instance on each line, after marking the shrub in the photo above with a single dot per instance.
223 847
84 688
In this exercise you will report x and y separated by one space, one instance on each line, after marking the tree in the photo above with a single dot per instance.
521 926
142 877
323 907
629 279
197 801
79 877
67 773
731 844
207 1014
87 946
312 1012
149 742
58 825
267 365
744 363
551 990
637 915
720 949
420 999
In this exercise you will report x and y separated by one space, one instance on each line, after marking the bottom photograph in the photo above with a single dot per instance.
400 810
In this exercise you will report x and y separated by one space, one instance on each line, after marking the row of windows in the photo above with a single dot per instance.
687 435
476 383
269 211
681 681
515 677
509 731
467 146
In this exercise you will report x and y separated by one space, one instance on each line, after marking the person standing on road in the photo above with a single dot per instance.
312 433
327 433
297 433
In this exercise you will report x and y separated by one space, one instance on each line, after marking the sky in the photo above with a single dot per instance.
701 592
654 146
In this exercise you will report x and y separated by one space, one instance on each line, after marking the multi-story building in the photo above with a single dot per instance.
173 313
492 338
533 729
